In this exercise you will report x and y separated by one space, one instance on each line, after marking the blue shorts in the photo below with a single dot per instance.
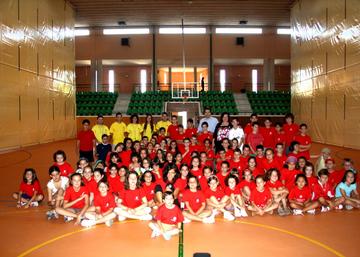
25 196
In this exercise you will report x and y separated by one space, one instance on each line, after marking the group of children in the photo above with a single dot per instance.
168 180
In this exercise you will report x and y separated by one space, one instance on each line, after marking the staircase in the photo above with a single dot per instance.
242 104
122 103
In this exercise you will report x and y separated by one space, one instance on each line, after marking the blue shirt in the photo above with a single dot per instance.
346 188
212 121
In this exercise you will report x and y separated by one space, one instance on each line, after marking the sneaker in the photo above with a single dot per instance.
209 220
109 223
348 207
186 220
88 223
50 215
325 208
340 207
34 204
22 204
311 211
228 216
244 213
287 211
146 217
68 219
297 212
281 211
237 212
155 230
121 218
166 236
147 210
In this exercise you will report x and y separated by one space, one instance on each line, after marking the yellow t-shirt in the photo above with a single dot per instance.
134 130
163 124
100 130
117 130
148 131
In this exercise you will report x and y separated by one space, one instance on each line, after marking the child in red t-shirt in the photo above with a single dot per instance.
168 219
195 203
132 202
30 193
278 190
104 203
234 194
76 200
148 183
247 184
216 198
190 130
261 199
300 197
324 192
60 160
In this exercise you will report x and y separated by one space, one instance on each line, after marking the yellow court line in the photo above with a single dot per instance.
326 247
32 249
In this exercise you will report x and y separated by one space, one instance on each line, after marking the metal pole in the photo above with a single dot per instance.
183 52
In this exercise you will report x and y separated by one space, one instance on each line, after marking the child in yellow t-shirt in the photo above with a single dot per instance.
134 129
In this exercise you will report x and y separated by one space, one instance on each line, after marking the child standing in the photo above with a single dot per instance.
103 148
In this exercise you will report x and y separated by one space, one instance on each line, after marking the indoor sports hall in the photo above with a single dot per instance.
185 128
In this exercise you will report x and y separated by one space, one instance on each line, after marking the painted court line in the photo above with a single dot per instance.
313 241
180 248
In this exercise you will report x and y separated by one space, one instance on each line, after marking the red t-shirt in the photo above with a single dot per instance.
260 199
304 140
279 137
202 136
115 184
312 181
256 171
189 132
281 160
235 191
86 182
210 153
195 199
259 162
244 183
104 202
25 188
325 191
290 132
179 137
71 195
336 176
86 139
126 157
92 187
132 198
289 177
236 165
300 195
149 191
222 178
169 216
181 184
255 140
276 185
244 161
268 134
173 131
203 183
274 164
65 169
247 131
218 194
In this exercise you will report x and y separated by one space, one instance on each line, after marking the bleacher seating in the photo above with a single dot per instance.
218 102
94 103
149 102
269 102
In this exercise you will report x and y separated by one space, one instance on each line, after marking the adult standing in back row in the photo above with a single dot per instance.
100 129
212 121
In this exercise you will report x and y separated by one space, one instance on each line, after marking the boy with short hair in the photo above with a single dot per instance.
104 148
86 142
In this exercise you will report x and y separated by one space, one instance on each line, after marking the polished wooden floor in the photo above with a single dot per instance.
28 233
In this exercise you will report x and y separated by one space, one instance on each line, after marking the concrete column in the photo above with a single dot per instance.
269 74
154 64
211 62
